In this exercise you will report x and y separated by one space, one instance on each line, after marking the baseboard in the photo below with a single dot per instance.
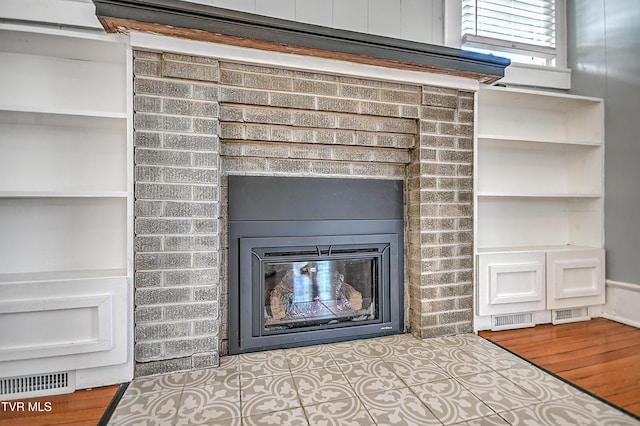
622 303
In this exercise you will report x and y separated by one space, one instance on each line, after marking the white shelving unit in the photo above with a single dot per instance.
66 206
539 206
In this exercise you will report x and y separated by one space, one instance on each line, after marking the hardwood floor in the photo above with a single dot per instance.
81 408
600 356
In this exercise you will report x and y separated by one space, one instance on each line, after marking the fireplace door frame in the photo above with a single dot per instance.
250 335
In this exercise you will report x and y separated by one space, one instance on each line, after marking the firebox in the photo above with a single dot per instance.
313 260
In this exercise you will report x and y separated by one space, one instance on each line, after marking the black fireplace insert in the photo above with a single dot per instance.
313 261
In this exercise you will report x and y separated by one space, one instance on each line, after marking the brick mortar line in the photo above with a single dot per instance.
293 126
181 269
175 251
314 144
417 91
156 96
228 140
169 166
314 160
176 184
418 87
164 114
316 108
328 160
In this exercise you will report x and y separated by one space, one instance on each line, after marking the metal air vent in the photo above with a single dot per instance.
511 321
37 385
562 316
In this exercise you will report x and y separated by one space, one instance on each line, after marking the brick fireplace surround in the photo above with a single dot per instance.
198 120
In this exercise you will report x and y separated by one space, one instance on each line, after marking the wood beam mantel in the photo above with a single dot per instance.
206 23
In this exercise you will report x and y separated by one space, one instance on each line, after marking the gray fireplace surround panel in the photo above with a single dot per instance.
323 222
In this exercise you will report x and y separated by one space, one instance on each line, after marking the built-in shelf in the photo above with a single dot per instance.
538 116
66 203
539 182
482 138
536 195
54 194
59 113
49 153
33 277
547 248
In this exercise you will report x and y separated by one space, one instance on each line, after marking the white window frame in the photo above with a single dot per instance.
557 76
453 37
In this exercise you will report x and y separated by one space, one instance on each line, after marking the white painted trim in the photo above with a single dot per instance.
625 286
59 12
537 76
100 306
79 33
622 303
246 55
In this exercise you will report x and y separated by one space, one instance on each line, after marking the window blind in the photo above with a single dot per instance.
522 23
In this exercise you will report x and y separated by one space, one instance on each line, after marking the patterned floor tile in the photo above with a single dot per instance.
462 380
460 341
458 363
309 358
398 407
450 402
579 410
380 347
495 359
343 412
541 385
262 364
497 392
268 394
354 352
154 384
158 408
370 377
323 385
293 417
607 415
414 370
494 420
209 403
220 374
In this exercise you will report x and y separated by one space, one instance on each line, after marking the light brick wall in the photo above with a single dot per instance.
177 235
286 123
440 216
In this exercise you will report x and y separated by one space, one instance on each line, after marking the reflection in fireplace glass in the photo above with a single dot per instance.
304 294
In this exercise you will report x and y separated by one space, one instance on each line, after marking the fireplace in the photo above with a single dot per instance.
313 260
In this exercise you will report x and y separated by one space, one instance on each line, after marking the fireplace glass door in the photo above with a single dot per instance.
308 292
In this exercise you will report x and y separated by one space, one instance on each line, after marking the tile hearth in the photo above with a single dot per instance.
399 380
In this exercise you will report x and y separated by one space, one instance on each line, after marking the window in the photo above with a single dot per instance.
525 31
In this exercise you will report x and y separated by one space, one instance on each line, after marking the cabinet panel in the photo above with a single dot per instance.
511 282
575 278
55 325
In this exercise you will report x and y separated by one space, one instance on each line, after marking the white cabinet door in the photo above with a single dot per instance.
575 278
511 282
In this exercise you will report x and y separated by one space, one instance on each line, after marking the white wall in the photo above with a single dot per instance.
604 52
416 20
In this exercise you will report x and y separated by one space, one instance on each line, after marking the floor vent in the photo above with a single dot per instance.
562 316
511 321
37 385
